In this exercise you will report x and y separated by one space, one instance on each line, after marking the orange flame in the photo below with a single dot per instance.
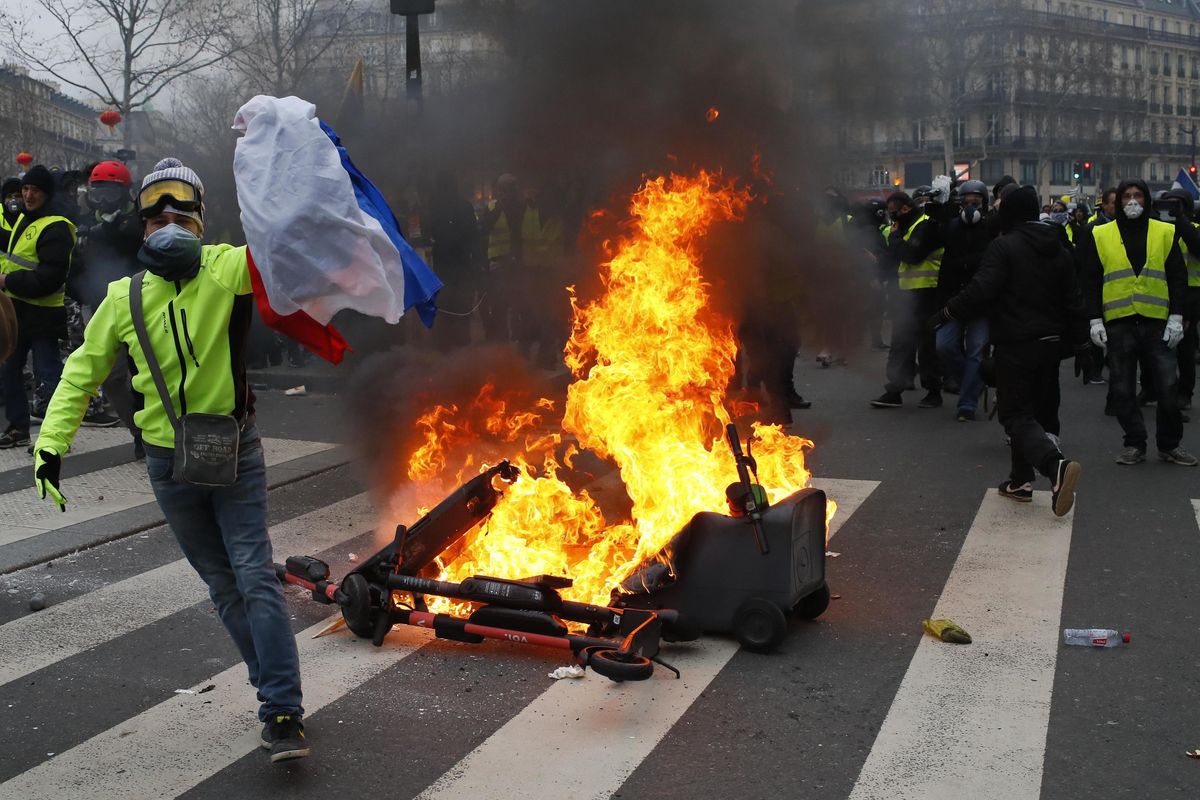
651 363
713 113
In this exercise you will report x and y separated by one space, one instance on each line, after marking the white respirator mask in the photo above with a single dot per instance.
1133 209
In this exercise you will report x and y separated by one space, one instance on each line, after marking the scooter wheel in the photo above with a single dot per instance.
813 605
357 611
618 667
759 625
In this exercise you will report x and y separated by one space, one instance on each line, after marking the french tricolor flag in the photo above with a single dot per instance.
321 237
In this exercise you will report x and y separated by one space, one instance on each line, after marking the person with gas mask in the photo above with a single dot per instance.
33 272
186 346
961 342
11 197
915 246
1135 289
110 236
1027 286
1188 233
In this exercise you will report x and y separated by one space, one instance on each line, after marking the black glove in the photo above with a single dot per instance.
47 467
939 318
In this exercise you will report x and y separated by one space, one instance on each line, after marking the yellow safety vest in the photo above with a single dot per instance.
1193 263
22 254
1126 293
925 274
500 239
1070 233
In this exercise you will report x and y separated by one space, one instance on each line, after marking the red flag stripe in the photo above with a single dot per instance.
324 340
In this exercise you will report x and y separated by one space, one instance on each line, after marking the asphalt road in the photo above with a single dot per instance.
857 704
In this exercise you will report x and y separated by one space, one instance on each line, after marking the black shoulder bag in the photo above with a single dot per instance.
206 445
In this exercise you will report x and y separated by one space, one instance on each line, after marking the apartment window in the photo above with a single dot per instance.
1120 17
1150 23
1153 133
1137 57
1195 68
960 132
1058 172
1153 170
1133 20
1124 56
1179 101
1166 63
1178 28
1029 168
1179 65
918 135
991 170
993 130
1152 56
1154 94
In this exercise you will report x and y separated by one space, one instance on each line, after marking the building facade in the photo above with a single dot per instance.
38 119
1066 96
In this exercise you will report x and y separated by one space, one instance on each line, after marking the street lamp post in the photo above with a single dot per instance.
411 11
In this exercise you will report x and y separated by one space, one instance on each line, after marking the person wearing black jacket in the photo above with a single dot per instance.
1188 235
1027 287
960 343
35 267
1135 285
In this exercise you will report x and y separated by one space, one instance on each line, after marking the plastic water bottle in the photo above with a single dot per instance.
1094 637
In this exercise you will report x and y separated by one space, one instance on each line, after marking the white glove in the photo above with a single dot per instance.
1098 334
1174 330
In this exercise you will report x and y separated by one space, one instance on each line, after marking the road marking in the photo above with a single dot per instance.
168 749
848 495
544 750
88 440
971 720
106 491
36 641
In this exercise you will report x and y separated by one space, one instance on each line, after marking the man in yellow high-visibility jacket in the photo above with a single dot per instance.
33 272
513 230
1135 285
914 243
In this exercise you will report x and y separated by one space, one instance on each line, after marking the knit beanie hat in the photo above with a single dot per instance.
1018 204
40 177
172 169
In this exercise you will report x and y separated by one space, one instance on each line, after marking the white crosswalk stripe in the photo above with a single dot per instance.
971 721
106 491
36 641
88 440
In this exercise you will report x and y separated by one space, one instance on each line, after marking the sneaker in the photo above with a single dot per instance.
1065 478
14 438
965 416
1022 493
283 735
1131 455
932 399
888 400
824 358
794 400
1096 381
1178 456
98 419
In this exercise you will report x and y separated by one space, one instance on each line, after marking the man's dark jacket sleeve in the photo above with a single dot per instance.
978 295
54 247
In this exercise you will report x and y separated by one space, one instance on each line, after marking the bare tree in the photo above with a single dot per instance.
122 52
280 41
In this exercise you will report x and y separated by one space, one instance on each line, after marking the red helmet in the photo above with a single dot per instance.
113 171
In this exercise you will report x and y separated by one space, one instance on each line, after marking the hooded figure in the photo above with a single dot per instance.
1026 286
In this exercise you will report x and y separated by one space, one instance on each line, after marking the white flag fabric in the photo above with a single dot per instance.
316 248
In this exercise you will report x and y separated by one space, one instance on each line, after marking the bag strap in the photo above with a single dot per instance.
139 325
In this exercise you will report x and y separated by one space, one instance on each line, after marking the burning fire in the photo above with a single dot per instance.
712 114
651 363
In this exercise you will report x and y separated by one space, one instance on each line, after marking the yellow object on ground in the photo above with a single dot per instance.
946 630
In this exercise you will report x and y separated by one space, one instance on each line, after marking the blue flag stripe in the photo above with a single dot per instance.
421 285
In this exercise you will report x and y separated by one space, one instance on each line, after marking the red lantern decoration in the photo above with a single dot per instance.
24 159
110 118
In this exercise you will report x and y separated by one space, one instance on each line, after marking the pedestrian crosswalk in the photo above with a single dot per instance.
984 708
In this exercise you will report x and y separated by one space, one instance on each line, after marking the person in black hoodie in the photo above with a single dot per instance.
960 343
1027 287
33 272
1188 233
1135 286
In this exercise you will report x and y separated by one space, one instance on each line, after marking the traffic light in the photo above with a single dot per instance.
1087 171
1077 170
1192 170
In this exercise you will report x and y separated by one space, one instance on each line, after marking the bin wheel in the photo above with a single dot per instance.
759 625
813 605
618 667
357 611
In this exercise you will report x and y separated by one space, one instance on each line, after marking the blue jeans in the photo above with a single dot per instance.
1131 339
223 534
963 362
47 369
